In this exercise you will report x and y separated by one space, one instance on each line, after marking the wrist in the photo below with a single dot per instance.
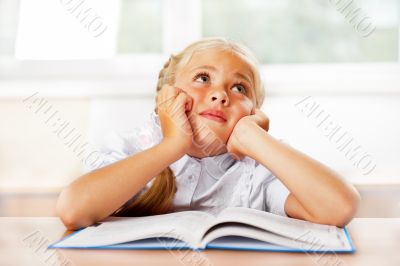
173 147
250 139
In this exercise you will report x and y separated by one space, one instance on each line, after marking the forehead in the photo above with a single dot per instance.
224 60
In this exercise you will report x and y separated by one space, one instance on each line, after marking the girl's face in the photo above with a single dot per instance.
217 81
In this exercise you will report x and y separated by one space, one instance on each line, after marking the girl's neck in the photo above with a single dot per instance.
205 152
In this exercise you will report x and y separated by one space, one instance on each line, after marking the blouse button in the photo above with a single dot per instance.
190 177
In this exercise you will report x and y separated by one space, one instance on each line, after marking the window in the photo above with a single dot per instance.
8 25
140 27
304 31
287 31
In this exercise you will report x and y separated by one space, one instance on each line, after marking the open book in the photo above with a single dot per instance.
233 228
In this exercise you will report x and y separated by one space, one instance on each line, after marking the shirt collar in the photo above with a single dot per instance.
216 166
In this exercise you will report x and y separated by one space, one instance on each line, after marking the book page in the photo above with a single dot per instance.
295 229
236 229
185 226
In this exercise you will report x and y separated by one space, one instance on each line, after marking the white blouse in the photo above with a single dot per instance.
207 184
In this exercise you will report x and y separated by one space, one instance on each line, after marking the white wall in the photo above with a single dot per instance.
30 153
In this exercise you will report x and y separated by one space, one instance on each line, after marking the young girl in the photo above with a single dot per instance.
207 147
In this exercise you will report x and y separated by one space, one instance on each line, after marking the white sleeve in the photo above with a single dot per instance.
276 195
116 146
270 191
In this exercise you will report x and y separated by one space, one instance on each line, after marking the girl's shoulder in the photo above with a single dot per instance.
138 138
148 134
119 144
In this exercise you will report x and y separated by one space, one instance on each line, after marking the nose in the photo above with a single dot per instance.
220 96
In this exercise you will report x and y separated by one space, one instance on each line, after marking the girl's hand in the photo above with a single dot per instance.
172 105
240 133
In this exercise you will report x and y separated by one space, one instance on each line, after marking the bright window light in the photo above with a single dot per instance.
67 29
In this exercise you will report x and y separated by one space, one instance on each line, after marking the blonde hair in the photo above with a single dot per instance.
158 198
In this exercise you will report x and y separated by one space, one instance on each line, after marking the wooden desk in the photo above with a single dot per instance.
23 241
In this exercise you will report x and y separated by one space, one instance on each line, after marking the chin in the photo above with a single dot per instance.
208 130
210 138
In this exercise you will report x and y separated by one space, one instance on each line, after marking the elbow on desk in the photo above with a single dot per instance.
350 208
345 212
72 215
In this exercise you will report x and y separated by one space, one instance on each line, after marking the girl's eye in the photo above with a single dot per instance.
202 77
240 88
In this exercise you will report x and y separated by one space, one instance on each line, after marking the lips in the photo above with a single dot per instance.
215 115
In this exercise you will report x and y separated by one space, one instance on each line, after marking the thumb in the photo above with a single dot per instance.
189 103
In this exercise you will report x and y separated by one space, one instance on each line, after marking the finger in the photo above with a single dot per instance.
168 91
164 102
253 111
181 100
168 95
189 103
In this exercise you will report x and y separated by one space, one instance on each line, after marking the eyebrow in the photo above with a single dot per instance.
237 74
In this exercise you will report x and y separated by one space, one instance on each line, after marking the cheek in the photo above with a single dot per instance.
196 96
188 88
242 109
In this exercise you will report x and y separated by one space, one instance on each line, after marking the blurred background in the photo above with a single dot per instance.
72 71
